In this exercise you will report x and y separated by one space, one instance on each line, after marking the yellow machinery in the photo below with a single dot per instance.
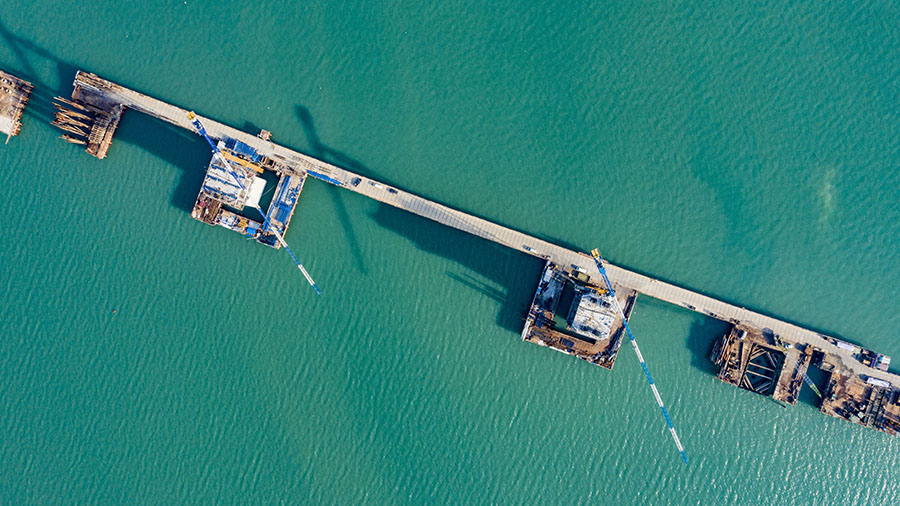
241 161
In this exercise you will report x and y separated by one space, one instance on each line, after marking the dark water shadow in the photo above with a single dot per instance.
337 197
506 276
251 127
502 274
700 340
175 146
28 57
321 151
340 158
479 286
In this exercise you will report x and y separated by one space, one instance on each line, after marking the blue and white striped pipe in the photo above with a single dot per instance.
218 154
599 261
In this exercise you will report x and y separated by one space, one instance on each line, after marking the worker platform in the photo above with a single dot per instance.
90 118
861 399
14 95
573 315
222 200
760 353
763 363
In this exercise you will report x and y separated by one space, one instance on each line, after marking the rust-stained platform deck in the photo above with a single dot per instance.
14 95
762 363
90 118
863 401
757 361
552 319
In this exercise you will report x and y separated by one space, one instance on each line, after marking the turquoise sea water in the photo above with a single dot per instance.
747 152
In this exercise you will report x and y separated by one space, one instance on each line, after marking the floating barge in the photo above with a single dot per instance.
14 95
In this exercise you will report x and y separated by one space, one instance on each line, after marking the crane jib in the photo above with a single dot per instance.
217 153
634 346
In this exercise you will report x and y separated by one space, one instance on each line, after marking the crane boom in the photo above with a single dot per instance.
634 346
217 153
299 265
812 385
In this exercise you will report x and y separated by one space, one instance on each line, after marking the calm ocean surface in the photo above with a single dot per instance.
751 153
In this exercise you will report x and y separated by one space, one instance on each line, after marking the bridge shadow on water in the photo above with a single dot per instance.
703 332
28 58
502 274
175 146
505 276
318 149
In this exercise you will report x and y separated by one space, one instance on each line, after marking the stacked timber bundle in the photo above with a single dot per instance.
102 132
94 82
76 119
87 125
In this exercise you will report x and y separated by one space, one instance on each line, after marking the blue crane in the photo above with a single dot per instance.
634 346
217 153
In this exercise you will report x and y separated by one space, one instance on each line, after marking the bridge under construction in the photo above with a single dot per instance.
572 311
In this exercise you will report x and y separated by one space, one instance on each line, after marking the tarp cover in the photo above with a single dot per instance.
256 191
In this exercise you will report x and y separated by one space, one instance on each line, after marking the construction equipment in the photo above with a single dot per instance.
245 163
325 178
217 153
599 261
812 385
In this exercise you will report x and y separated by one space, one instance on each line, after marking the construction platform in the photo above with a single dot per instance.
776 350
861 399
760 362
763 363
14 95
90 118
574 315
222 202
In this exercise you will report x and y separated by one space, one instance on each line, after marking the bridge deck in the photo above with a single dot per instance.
524 243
